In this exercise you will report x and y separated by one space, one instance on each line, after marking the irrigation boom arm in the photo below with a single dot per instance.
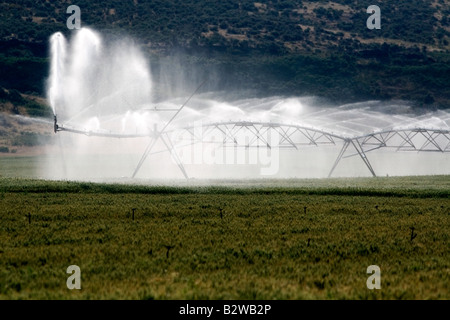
182 106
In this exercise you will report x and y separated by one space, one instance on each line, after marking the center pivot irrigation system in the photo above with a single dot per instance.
288 136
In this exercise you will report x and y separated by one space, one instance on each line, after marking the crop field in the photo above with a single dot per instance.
311 239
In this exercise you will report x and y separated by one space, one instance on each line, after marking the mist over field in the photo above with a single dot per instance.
98 89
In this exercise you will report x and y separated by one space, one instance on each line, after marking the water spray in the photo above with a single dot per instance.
104 92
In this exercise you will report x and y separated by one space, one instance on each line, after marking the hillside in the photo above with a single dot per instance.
282 47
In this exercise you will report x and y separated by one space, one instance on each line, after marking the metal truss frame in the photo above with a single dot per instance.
288 136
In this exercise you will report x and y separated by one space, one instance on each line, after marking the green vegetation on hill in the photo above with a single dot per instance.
12 101
284 47
223 22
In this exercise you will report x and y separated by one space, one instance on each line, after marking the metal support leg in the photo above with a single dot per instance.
363 156
338 159
174 154
145 155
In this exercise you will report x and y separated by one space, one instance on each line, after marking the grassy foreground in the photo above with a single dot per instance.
226 242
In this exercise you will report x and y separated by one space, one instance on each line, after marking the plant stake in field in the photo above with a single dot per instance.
168 249
413 235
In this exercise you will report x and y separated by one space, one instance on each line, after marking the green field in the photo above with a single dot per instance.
299 239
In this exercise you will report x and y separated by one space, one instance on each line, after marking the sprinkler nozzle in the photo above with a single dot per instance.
55 123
